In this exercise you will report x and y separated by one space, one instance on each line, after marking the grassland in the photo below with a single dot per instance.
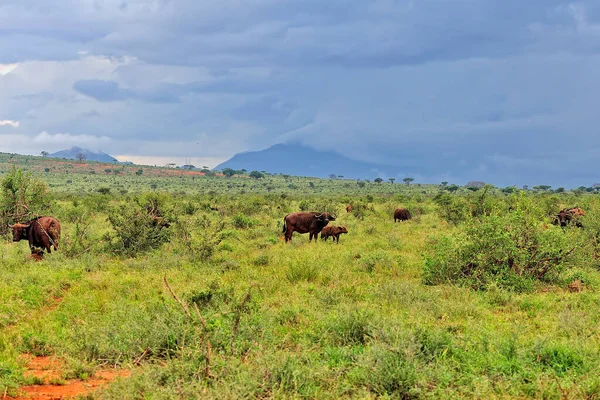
302 320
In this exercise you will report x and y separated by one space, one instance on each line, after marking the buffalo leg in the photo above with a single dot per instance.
288 235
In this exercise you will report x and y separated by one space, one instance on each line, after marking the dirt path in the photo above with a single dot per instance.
49 370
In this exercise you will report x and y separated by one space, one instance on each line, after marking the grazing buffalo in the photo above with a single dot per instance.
303 222
568 215
334 232
349 208
402 214
41 232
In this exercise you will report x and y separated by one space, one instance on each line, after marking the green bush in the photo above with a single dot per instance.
23 197
241 221
512 250
138 226
452 208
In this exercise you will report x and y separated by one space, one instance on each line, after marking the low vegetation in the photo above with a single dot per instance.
191 287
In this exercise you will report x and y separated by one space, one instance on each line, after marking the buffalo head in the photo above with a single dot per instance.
325 217
342 229
19 231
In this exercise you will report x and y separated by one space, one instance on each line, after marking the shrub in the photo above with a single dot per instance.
242 222
138 226
452 208
201 245
510 250
23 197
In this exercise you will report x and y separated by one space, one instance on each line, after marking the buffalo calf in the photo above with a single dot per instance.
334 232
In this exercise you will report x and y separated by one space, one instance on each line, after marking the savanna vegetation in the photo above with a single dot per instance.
478 296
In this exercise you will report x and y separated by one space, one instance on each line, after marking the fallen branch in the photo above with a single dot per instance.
183 306
238 316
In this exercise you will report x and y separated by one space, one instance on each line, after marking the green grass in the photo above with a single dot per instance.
299 320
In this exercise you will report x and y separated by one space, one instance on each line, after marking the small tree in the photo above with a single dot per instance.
44 153
228 172
444 184
378 180
139 172
108 171
256 175
81 157
332 176
408 180
361 184
392 180
23 197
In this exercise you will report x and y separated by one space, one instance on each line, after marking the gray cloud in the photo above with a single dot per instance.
474 89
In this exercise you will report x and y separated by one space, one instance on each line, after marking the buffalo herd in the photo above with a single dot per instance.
43 233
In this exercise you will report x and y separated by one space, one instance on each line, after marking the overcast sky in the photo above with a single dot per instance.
504 91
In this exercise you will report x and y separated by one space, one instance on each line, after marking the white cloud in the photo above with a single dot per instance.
9 122
44 141
6 68
199 162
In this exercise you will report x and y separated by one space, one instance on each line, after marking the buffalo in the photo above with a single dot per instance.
349 208
41 232
568 215
402 214
303 222
334 232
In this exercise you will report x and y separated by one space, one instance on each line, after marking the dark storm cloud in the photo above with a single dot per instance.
462 90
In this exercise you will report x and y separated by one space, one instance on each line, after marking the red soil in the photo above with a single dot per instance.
50 370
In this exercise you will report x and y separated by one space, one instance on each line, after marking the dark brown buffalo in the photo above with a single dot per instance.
305 222
568 215
41 232
349 208
402 214
334 232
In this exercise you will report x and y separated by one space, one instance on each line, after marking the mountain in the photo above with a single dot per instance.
89 155
295 159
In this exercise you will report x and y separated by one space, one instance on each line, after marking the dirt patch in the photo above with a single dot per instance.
49 372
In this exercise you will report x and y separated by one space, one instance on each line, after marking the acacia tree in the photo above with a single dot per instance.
81 157
378 180
392 180
408 180
228 172
44 153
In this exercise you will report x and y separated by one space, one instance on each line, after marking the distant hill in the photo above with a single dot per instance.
295 159
71 154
